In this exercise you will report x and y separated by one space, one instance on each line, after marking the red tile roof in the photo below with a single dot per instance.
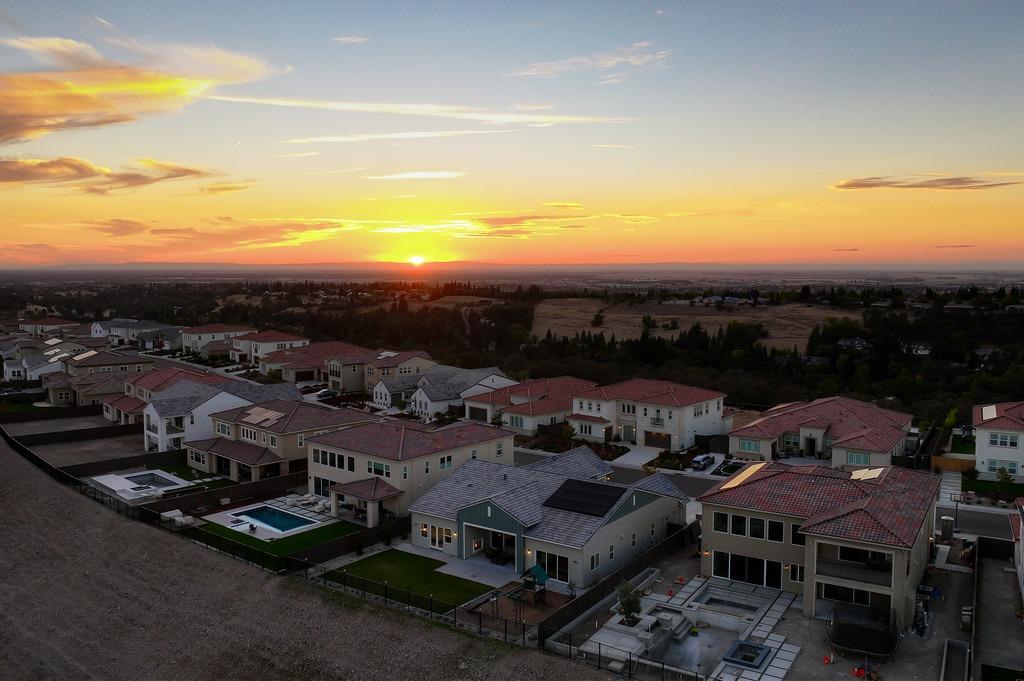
269 336
888 509
126 403
218 328
588 418
392 358
93 358
161 379
48 321
852 423
292 416
1008 415
394 440
652 391
371 489
541 395
312 356
242 452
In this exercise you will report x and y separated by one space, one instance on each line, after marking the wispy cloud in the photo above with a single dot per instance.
534 107
225 187
85 89
955 246
412 135
710 212
637 55
419 175
846 250
931 184
297 154
119 227
432 110
563 204
94 179
351 39
612 146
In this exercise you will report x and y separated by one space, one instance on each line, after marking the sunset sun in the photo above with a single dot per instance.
417 260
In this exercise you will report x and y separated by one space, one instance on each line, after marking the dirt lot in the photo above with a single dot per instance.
87 594
56 425
85 451
443 301
787 325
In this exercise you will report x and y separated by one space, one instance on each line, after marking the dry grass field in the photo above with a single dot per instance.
443 301
787 325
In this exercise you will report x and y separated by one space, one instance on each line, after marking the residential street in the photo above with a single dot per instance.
981 523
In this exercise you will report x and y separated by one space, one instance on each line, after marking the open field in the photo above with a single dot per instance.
787 325
88 594
86 451
57 425
443 301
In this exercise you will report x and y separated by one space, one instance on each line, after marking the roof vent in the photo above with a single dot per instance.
504 476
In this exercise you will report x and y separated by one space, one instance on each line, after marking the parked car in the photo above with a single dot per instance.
702 461
327 394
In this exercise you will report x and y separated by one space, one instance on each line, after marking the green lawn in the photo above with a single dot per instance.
186 472
407 571
989 487
286 545
15 407
962 445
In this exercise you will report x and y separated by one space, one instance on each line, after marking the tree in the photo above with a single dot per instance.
629 603
1004 482
497 419
598 319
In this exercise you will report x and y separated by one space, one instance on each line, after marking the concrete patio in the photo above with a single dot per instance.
477 569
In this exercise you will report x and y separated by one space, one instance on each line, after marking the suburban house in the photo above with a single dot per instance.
47 326
647 412
252 347
102 361
267 439
181 412
396 363
444 382
525 406
141 333
140 388
377 469
999 439
850 432
305 363
861 537
346 369
440 392
65 390
579 529
194 338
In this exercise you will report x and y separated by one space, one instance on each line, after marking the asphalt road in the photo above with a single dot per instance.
981 523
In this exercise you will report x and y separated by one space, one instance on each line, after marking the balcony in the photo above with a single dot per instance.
151 427
867 573
657 421
174 427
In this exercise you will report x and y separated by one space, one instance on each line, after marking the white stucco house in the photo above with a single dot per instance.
999 439
193 338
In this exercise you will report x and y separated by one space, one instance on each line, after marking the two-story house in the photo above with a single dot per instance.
308 362
443 382
253 347
575 525
999 439
648 412
139 333
525 406
861 537
396 363
266 440
139 389
182 412
46 326
849 432
195 338
103 361
376 470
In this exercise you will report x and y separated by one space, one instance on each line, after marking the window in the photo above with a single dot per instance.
1003 440
447 535
302 439
405 472
795 537
652 529
555 565
776 530
750 446
426 467
515 421
611 553
756 528
698 410
488 511
791 441
472 454
378 468
585 429
581 405
645 411
273 441
739 525
224 429
858 459
423 529
320 486
862 556
796 573
595 561
747 569
248 434
352 464
197 457
191 419
498 448
632 542
316 455
446 462
995 464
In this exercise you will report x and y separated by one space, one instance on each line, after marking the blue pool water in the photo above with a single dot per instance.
274 518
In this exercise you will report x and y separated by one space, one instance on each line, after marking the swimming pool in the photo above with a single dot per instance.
272 518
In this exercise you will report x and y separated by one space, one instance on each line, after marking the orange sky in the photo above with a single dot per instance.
631 138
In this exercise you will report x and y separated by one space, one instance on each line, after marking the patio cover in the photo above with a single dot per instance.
371 489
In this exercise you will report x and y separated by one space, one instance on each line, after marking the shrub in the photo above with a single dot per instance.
970 473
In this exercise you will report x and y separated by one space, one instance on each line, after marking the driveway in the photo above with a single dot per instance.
637 456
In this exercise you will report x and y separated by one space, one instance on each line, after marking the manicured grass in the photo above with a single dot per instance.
407 571
990 487
286 545
962 445
15 407
186 472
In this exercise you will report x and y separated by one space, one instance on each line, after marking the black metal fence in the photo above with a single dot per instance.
99 432
623 662
50 413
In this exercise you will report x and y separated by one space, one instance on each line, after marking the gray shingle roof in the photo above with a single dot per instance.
581 463
521 491
184 396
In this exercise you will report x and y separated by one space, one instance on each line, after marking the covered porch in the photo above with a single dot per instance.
370 501
238 461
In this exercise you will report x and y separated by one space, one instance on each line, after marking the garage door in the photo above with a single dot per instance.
478 414
305 375
663 440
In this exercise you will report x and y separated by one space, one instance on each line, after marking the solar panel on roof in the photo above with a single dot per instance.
255 415
581 496
988 412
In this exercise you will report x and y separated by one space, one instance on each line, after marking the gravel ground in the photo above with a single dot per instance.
88 594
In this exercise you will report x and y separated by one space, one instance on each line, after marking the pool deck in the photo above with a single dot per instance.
225 518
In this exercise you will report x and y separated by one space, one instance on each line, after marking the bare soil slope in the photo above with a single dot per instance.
787 325
88 594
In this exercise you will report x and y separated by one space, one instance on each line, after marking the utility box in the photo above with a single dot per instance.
946 527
